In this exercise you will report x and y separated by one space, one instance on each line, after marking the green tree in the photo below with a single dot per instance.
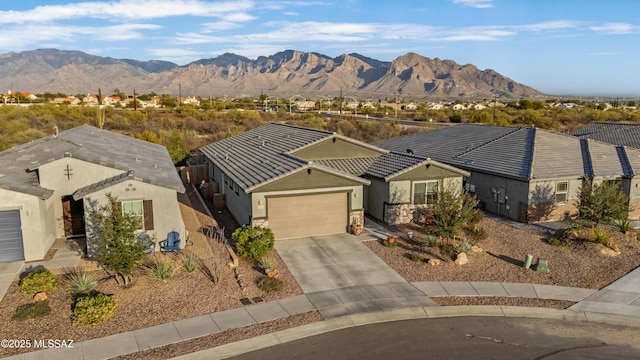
117 247
177 148
602 203
452 210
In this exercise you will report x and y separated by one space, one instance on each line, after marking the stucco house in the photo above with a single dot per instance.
305 182
48 187
527 174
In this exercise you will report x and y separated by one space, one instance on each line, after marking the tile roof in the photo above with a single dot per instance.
262 155
516 152
150 162
612 133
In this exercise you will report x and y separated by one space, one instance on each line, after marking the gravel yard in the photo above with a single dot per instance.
581 264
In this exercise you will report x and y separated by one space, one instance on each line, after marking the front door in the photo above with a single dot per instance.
73 214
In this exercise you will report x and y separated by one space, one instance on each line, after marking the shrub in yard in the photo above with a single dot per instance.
447 250
190 263
253 243
475 233
414 257
93 310
599 235
389 244
464 246
32 311
81 282
162 269
267 263
271 284
558 241
624 225
38 281
430 241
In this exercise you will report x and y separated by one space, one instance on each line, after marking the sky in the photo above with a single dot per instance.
559 47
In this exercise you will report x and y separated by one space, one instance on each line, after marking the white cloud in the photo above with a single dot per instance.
614 28
550 25
478 4
605 53
126 9
290 13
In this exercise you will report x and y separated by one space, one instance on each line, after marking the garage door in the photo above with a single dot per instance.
309 215
10 236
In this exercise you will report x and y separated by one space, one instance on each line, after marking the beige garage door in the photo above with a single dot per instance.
308 215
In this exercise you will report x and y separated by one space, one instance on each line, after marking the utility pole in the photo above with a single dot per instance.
135 102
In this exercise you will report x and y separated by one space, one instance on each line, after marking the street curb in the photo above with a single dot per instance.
348 321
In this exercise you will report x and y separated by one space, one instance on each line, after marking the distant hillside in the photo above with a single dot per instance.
286 73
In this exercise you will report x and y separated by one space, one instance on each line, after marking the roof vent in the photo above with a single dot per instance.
67 154
409 151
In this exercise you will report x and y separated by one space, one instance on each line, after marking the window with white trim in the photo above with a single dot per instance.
562 190
425 192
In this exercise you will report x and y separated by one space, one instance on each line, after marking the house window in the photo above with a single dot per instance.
425 193
562 189
142 210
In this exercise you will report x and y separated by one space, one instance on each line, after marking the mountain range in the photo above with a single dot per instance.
286 73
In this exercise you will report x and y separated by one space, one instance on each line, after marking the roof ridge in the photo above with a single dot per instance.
533 153
304 128
624 160
470 150
587 162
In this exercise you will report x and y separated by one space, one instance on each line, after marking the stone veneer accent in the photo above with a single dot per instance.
260 222
398 213
356 217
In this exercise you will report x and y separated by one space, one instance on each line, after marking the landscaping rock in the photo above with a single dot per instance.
609 252
462 259
477 249
272 272
39 297
434 262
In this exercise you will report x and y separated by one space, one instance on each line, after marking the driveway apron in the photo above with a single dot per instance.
331 262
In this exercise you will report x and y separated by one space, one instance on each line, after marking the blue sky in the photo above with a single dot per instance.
573 47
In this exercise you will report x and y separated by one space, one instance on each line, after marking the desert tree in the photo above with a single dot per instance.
602 203
117 248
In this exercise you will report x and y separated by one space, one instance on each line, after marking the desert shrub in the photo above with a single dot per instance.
475 233
414 257
271 284
32 311
389 244
38 281
447 250
190 263
253 243
430 241
93 310
558 241
600 235
81 282
464 246
267 263
161 269
624 225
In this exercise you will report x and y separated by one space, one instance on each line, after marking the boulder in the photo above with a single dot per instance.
477 249
609 252
434 262
272 272
462 259
39 297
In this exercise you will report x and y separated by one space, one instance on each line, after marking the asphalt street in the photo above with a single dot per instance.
464 338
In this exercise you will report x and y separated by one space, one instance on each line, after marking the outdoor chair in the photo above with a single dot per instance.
172 243
146 239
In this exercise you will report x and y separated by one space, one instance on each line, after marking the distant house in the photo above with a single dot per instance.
306 182
190 101
110 100
72 100
90 100
527 174
48 186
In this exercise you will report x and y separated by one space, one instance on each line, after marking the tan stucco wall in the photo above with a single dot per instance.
38 229
166 210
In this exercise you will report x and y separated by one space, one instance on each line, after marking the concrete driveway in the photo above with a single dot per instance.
334 262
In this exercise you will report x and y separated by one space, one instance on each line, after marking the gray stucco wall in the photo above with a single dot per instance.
506 203
166 210
377 194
